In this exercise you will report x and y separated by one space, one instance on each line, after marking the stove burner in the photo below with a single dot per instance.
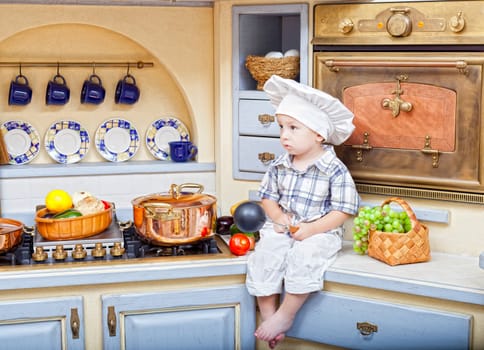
136 247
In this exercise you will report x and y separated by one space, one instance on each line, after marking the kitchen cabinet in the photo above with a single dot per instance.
151 302
362 323
43 324
211 318
258 30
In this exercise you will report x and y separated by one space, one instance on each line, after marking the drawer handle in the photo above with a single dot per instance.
366 328
266 119
266 157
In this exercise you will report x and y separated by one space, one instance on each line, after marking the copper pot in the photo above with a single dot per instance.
10 234
177 217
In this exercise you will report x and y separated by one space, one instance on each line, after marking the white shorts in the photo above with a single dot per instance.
280 260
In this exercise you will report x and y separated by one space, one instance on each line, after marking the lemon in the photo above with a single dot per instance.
57 201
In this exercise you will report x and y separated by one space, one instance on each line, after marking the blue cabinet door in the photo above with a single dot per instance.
42 324
221 318
358 323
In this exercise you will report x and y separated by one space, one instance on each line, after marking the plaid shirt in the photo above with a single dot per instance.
325 186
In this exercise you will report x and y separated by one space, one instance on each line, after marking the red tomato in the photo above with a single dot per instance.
239 244
107 205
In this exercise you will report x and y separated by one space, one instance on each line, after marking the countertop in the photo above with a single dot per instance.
449 277
445 276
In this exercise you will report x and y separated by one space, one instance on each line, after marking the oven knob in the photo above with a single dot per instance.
39 254
60 253
457 23
79 252
346 26
117 250
399 25
98 251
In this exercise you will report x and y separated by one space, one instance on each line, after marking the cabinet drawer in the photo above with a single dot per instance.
358 323
257 117
252 151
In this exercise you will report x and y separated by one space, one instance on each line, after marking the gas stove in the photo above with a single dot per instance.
119 242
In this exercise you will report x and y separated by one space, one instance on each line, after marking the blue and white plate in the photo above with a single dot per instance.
22 141
117 140
66 141
163 131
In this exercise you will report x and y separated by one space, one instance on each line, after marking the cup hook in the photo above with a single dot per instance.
58 65
20 69
93 68
127 71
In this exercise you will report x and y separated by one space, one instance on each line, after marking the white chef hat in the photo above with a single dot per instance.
316 109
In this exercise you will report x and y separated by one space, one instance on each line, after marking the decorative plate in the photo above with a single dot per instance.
161 132
66 141
22 141
117 140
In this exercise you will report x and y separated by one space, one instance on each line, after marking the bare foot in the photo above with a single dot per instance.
273 343
271 328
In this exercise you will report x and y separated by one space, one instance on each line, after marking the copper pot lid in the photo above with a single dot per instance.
176 197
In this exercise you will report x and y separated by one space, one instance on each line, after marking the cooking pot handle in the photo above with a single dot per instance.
150 205
176 190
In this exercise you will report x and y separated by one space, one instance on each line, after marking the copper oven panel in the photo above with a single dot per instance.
446 107
432 113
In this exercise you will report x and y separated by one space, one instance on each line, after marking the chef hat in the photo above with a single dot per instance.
314 108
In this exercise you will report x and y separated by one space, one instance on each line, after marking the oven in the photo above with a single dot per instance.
412 74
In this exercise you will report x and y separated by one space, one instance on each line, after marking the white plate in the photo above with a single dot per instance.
161 132
66 141
117 140
22 141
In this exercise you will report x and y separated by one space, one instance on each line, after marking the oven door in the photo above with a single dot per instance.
417 117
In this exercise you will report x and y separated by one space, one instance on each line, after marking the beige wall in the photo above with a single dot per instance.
178 40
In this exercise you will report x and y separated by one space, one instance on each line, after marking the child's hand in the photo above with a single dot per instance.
300 232
282 223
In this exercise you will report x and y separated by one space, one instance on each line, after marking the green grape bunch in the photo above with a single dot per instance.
380 218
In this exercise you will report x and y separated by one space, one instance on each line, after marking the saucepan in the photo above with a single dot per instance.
182 215
10 234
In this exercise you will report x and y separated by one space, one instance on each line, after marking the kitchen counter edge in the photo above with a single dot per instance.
464 283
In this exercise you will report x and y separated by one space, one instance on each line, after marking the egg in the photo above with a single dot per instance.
274 54
291 53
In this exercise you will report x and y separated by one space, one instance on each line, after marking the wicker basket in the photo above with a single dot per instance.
401 248
73 228
262 68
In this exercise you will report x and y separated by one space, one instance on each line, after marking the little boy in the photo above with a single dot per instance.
307 187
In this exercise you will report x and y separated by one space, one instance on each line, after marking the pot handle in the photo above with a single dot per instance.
168 215
176 190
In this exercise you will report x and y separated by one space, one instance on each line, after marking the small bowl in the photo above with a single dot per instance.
73 228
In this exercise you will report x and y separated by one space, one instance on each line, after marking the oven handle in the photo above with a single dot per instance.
333 65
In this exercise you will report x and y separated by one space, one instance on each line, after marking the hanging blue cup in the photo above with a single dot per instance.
93 91
58 92
20 92
126 91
